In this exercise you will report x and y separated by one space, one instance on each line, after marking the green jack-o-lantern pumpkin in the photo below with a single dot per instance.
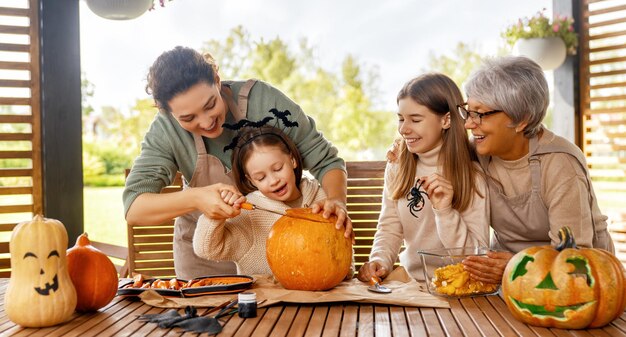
40 292
565 287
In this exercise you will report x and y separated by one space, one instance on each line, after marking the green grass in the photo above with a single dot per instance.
104 215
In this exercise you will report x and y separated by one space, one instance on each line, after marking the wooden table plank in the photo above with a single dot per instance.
494 317
301 321
78 320
464 321
349 321
138 328
247 326
124 324
550 332
230 326
399 324
415 322
317 322
450 326
281 328
334 320
365 321
619 324
60 330
477 315
98 323
519 327
265 326
613 331
382 325
433 327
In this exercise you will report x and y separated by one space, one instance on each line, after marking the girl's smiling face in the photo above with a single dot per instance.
420 128
200 109
271 171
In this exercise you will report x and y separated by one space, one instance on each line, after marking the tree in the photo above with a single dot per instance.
340 104
459 65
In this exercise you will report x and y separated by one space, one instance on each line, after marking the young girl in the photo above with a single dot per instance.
268 168
433 194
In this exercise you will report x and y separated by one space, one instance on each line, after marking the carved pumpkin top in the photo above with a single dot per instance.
307 214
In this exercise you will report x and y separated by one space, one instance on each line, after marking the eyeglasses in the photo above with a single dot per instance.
477 117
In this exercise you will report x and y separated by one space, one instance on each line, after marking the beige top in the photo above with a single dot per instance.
242 238
564 192
431 229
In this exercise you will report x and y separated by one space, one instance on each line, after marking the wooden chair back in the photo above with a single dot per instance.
150 247
365 190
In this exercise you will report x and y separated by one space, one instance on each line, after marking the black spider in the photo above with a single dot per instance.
416 198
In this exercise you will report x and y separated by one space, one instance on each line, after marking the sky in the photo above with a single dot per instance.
395 36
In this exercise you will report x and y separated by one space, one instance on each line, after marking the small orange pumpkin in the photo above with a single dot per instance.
565 287
93 275
306 251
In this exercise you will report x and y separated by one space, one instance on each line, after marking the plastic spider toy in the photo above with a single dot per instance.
416 198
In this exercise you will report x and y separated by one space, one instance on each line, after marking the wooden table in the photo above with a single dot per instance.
478 316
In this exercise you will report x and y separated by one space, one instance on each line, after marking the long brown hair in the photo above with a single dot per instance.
252 137
441 95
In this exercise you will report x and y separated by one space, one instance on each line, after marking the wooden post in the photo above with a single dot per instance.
565 114
61 139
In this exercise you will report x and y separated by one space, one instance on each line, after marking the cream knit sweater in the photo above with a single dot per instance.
242 239
431 229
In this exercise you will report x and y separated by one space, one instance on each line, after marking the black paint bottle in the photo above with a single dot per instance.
247 305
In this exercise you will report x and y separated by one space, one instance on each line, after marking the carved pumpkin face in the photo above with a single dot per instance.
565 287
39 276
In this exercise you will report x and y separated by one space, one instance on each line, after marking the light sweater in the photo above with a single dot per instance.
167 147
242 239
563 190
431 229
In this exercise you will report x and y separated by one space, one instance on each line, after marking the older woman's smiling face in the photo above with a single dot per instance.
495 135
200 109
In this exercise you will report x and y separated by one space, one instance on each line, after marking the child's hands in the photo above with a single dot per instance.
209 200
369 269
233 198
337 207
439 190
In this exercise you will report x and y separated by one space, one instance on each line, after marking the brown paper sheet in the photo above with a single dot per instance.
405 292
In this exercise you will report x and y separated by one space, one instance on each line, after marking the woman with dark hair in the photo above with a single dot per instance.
538 181
187 135
434 196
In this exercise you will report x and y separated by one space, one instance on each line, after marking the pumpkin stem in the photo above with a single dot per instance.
83 240
566 239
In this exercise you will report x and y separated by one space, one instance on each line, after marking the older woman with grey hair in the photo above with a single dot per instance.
538 181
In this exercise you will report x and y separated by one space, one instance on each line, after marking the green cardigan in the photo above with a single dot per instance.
167 147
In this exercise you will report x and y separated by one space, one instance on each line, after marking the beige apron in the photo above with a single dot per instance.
209 170
522 221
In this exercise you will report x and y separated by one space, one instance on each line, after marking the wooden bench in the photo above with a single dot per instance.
150 247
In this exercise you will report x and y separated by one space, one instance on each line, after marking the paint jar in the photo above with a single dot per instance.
247 305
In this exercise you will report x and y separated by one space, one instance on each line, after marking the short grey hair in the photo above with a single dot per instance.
514 84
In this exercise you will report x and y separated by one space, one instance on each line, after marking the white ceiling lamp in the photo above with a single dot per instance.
119 9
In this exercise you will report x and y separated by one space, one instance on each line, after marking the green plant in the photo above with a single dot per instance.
540 26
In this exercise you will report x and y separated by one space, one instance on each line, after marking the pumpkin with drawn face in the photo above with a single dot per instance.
565 287
40 292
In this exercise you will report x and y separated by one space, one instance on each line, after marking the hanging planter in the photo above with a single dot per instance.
119 9
548 52
545 41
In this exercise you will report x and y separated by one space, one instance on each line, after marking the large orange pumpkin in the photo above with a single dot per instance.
93 275
565 287
306 251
